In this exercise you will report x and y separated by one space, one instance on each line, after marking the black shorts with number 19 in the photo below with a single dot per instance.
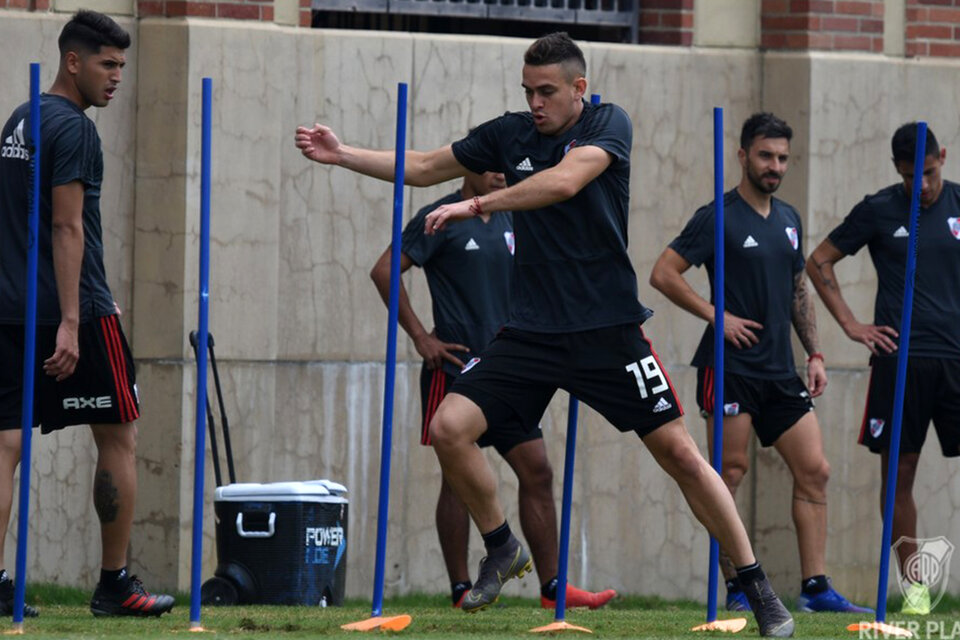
614 370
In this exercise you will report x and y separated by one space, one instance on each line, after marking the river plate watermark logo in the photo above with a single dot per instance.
929 565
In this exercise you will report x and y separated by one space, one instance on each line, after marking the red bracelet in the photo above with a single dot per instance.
475 208
816 355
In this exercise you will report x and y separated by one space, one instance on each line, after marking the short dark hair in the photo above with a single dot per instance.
557 48
87 31
765 125
904 143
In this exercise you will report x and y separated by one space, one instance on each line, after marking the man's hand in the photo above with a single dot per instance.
318 143
738 331
64 359
437 219
434 351
876 338
816 376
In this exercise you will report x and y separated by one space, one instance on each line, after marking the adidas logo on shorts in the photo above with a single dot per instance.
662 405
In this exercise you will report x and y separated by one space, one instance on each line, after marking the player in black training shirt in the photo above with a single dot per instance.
765 293
574 316
468 271
881 223
84 368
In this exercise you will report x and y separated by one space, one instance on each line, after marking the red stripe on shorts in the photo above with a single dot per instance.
108 343
124 378
118 362
708 389
662 370
123 389
438 383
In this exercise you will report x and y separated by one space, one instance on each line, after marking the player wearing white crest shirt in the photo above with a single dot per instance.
765 293
880 222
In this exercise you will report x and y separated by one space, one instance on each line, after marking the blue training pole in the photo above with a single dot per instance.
893 459
386 437
202 335
568 463
567 501
29 349
718 344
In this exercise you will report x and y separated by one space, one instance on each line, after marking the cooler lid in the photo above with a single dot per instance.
308 491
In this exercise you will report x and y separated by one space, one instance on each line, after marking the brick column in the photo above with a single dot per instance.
832 25
666 22
933 28
305 13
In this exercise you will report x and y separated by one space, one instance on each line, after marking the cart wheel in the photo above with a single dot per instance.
219 591
241 580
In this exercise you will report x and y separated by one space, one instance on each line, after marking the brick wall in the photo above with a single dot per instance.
238 9
25 5
666 22
833 25
933 28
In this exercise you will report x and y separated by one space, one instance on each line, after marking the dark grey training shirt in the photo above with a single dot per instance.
70 152
571 270
468 267
881 222
762 258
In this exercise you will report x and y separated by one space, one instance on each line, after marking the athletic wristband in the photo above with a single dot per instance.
816 355
475 208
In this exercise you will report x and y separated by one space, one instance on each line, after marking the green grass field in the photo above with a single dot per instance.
64 614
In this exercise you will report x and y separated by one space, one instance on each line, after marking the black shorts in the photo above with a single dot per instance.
614 370
773 405
434 385
932 393
102 389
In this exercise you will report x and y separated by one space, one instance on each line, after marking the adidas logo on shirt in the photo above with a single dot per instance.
901 233
14 146
525 165
471 245
750 242
662 405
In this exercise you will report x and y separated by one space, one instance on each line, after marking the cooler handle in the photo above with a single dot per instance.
256 534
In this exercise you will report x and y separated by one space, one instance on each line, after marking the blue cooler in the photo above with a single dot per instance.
280 543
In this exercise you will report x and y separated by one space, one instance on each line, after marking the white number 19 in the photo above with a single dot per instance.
650 371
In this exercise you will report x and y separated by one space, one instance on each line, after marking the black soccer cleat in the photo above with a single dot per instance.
6 599
132 601
773 619
508 561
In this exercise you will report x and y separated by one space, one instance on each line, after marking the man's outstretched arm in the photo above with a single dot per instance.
421 168
820 269
556 184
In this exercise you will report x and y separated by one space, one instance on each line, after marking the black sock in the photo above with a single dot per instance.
814 585
733 584
750 573
457 589
115 581
549 588
4 575
496 538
